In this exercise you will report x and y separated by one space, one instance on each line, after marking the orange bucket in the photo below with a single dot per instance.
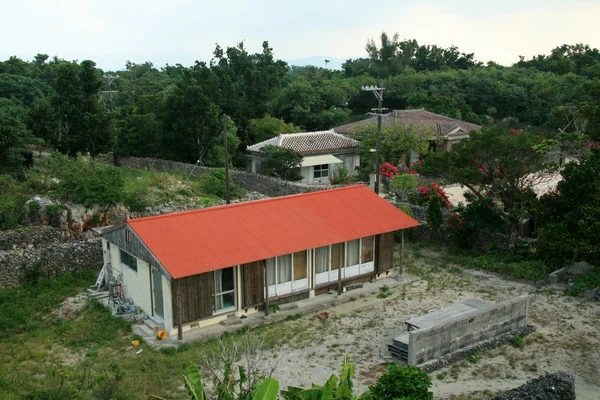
161 335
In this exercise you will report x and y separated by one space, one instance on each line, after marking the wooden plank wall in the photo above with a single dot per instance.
134 247
385 258
196 297
253 278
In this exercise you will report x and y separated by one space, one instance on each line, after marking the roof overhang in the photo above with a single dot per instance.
319 160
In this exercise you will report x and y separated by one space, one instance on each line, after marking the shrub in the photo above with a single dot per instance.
518 342
281 162
341 176
86 182
137 198
432 190
213 183
435 218
388 170
402 382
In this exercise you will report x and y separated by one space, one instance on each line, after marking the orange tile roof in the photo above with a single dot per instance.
194 242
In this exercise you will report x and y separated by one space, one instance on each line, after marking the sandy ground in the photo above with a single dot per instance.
567 337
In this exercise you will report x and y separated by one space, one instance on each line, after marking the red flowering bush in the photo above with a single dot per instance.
434 190
414 167
388 170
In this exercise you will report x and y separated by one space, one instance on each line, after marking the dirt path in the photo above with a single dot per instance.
567 337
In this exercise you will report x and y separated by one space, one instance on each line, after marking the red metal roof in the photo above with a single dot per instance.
194 242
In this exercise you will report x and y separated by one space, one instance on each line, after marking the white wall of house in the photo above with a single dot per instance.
136 284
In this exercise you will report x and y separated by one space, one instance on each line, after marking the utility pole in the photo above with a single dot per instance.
378 92
110 92
226 159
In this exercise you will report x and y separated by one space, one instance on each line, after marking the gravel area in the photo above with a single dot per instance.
567 337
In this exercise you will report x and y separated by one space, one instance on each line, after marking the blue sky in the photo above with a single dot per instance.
112 32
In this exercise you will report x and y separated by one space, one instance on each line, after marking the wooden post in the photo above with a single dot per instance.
340 273
179 323
266 283
401 251
376 254
226 159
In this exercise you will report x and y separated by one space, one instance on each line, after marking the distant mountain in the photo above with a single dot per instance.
318 61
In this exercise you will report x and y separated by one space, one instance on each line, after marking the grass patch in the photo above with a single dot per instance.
384 292
503 263
588 281
518 342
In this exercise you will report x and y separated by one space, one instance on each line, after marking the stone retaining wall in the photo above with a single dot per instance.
31 236
556 386
51 260
269 186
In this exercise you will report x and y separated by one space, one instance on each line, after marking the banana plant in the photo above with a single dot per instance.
334 389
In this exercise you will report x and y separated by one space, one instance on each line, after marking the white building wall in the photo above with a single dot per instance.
136 285
167 304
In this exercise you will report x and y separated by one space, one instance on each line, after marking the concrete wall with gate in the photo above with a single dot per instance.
429 343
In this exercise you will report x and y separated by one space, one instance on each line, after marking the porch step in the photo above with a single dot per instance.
144 329
155 323
231 320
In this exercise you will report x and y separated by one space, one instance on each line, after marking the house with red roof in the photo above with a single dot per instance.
323 152
196 268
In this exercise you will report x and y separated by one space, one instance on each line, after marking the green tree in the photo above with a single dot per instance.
495 163
192 121
71 119
15 139
261 129
398 142
435 218
281 162
404 184
570 217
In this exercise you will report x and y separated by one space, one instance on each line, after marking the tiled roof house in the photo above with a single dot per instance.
323 151
450 130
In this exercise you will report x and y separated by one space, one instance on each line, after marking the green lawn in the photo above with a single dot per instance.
40 353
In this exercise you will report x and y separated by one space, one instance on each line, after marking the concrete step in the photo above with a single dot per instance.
143 330
160 323
151 324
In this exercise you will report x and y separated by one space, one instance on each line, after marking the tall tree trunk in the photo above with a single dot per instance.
512 239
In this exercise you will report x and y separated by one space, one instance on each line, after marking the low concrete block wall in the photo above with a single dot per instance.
437 341
556 386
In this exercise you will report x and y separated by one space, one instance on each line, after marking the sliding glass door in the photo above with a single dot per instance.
224 289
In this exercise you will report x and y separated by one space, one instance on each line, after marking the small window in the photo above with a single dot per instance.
127 235
321 171
107 245
128 260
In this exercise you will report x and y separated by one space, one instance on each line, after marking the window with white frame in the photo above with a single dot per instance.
321 171
224 282
287 273
352 252
322 259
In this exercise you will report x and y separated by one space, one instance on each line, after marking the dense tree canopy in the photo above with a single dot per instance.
175 111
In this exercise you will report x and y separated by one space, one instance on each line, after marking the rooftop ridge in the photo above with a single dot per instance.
246 203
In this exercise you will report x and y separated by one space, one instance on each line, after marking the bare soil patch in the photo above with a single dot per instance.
567 337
